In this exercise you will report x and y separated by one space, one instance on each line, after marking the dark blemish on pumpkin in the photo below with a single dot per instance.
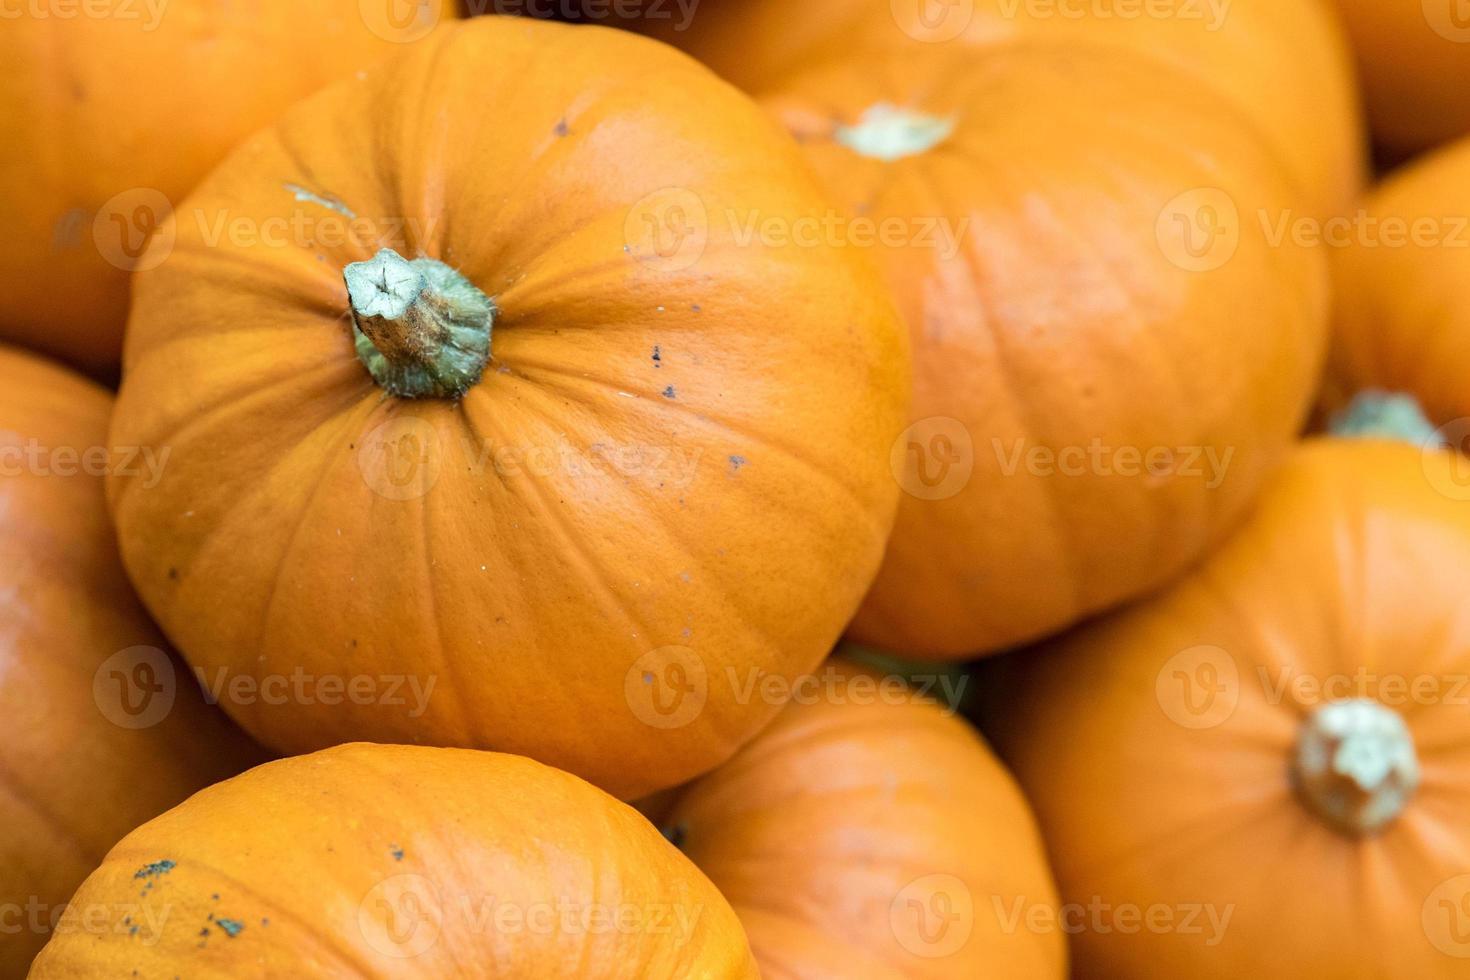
231 927
397 852
265 922
736 462
562 128
669 392
173 574
657 356
215 897
155 869
676 834
696 308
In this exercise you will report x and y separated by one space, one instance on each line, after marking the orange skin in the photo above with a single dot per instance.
1283 63
99 110
598 611
1161 781
403 861
1411 60
1072 314
855 808
73 779
1402 316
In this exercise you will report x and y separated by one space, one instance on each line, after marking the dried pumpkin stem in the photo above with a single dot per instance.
1386 415
421 329
1355 765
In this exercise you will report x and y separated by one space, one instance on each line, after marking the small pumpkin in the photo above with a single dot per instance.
570 455
868 832
1411 59
1401 316
379 860
1260 772
114 112
1111 349
101 731
1285 64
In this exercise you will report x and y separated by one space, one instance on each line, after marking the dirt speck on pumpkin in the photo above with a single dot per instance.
669 392
736 462
396 851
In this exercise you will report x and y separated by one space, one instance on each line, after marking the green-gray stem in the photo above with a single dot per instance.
1385 415
1355 765
421 329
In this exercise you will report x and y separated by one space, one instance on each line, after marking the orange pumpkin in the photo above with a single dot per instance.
1411 57
1112 349
1283 63
1402 318
112 112
379 860
869 833
667 474
1260 772
100 732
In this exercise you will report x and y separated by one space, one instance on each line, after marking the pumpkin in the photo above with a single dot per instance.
1401 319
100 730
1111 348
1283 63
578 539
868 832
113 111
1411 59
1259 772
408 861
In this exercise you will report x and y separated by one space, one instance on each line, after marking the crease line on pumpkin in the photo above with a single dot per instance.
320 937
48 817
565 380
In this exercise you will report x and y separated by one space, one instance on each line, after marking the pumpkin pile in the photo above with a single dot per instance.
525 490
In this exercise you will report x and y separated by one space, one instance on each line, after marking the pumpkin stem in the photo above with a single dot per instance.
1385 415
887 132
421 329
1355 765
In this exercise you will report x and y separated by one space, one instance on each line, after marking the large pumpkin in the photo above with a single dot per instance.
1283 63
1112 348
870 833
1261 772
1411 58
1402 315
403 861
98 730
669 477
112 112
